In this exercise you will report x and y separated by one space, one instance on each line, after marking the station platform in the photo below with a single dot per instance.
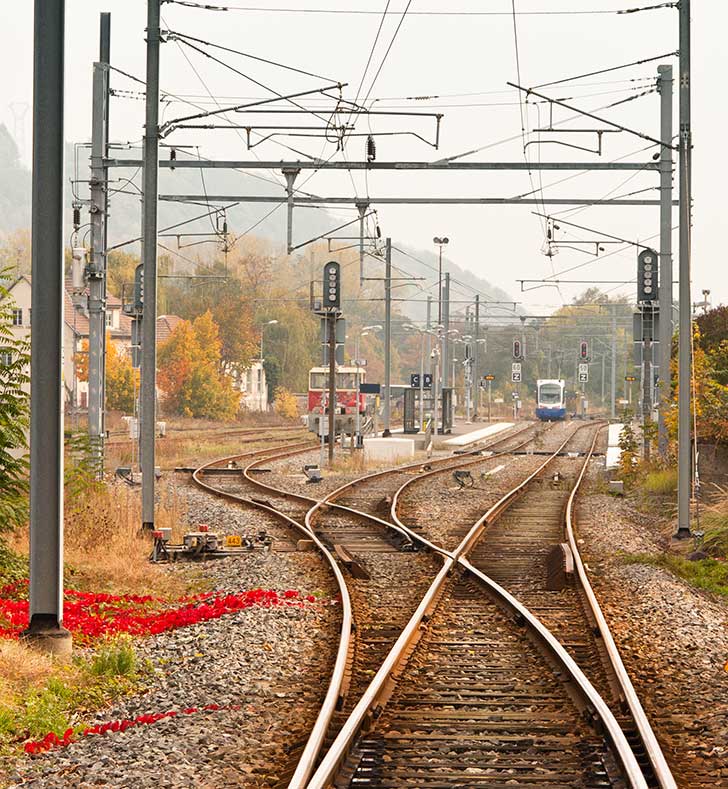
464 434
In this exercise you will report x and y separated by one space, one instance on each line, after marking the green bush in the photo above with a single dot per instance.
14 415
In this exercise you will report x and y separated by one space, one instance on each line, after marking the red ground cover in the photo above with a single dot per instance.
52 740
92 615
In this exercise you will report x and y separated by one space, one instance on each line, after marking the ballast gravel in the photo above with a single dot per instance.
673 637
266 668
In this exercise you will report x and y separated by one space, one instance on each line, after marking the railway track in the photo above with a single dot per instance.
373 549
477 691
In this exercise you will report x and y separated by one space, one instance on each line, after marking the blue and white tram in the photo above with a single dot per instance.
550 405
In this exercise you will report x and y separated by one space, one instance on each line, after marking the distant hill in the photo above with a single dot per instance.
263 220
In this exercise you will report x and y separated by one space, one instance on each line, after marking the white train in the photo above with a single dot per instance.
550 405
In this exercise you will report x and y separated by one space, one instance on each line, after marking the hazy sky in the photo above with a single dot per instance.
465 60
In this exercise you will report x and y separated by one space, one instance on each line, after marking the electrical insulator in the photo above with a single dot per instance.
76 217
172 157
224 228
78 268
371 149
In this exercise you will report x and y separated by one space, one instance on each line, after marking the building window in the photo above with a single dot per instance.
17 317
110 319
6 359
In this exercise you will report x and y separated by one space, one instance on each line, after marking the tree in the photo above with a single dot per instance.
191 374
15 252
122 380
14 417
121 267
237 333
284 403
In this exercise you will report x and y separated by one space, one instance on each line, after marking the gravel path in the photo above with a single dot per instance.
267 668
672 637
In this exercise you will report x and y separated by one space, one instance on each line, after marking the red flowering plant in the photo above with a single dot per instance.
91 615
99 619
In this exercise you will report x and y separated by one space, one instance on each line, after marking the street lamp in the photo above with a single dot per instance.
260 380
367 330
441 242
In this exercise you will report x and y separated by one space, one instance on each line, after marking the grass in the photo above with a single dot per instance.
191 441
39 695
708 574
661 482
103 548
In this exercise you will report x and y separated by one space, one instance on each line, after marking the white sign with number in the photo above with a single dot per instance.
516 373
583 373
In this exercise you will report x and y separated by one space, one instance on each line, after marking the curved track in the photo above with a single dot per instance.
462 699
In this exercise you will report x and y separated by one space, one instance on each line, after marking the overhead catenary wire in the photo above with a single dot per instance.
368 12
386 54
607 70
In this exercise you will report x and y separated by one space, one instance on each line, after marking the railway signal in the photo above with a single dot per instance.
647 276
332 285
517 349
584 350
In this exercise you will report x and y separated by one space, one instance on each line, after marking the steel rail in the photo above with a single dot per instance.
311 752
346 608
376 690
396 497
649 740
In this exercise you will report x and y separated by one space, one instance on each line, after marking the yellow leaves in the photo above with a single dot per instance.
284 403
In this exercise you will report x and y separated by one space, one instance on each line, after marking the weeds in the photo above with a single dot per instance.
115 659
708 574
104 550
41 696
661 482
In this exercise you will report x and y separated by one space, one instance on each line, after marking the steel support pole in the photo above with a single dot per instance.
290 174
422 380
388 339
148 408
429 336
362 208
647 335
445 322
613 378
684 360
664 85
97 264
332 385
46 418
358 389
476 357
439 288
105 57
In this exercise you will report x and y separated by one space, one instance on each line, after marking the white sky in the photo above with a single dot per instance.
434 55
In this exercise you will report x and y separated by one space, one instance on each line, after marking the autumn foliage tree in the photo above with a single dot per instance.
191 373
122 380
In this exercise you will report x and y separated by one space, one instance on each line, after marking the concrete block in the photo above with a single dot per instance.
388 450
